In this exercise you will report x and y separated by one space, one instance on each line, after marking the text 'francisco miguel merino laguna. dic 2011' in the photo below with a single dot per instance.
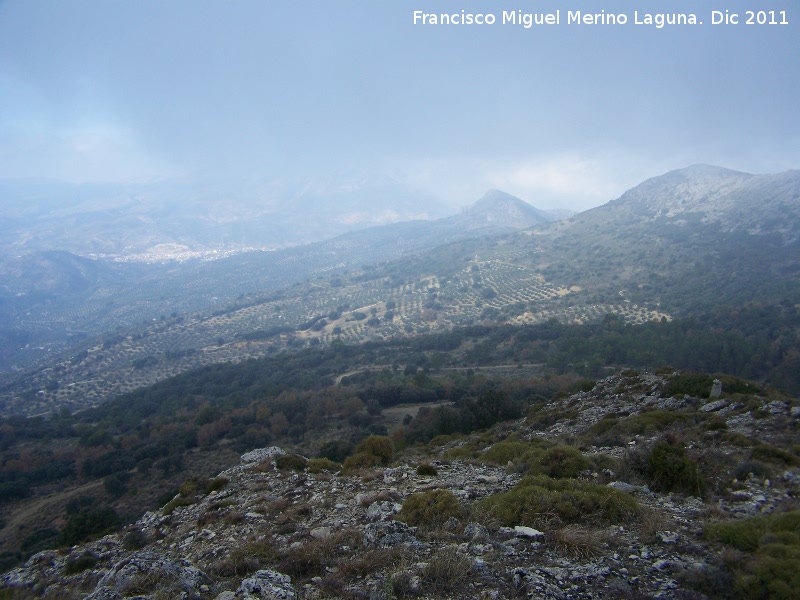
528 20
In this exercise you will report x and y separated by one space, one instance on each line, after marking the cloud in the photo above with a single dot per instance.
573 180
570 176
77 154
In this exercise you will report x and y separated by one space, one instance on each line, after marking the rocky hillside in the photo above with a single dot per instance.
682 244
756 204
645 486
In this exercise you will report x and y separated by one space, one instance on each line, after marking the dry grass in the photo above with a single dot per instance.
650 522
246 559
446 571
578 541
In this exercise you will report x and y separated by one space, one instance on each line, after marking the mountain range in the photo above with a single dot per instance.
51 297
676 245
492 404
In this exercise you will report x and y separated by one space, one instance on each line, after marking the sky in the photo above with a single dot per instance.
260 90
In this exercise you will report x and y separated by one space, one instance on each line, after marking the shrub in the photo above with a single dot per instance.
379 446
193 486
464 452
367 563
318 465
536 500
560 462
135 539
216 484
170 506
374 451
716 424
88 523
672 470
758 469
115 485
307 559
772 567
427 470
78 564
737 439
360 460
772 454
430 509
39 540
336 450
295 462
504 452
693 384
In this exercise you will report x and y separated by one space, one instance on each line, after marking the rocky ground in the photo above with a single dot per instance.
259 531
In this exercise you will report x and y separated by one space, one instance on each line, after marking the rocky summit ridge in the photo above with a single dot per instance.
454 519
732 200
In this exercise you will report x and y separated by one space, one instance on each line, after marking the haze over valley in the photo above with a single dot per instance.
81 330
312 299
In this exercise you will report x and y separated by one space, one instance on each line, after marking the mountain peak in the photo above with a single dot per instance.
499 209
703 170
734 200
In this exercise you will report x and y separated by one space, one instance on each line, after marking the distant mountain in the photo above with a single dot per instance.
48 298
164 220
498 209
756 204
686 243
687 240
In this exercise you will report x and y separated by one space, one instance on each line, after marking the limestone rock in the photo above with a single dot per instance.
148 572
714 406
260 455
267 585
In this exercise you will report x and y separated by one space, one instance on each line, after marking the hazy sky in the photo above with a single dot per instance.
136 90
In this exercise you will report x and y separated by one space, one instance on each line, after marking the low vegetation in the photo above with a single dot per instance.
538 501
770 564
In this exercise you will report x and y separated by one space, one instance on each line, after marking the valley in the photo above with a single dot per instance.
498 349
645 256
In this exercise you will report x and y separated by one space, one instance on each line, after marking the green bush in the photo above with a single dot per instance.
772 567
39 540
772 454
504 452
193 486
374 451
135 539
336 450
560 462
379 446
671 470
88 523
536 500
216 484
78 564
758 469
465 452
427 470
360 460
693 384
177 501
430 509
293 462
318 465
737 439
716 424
